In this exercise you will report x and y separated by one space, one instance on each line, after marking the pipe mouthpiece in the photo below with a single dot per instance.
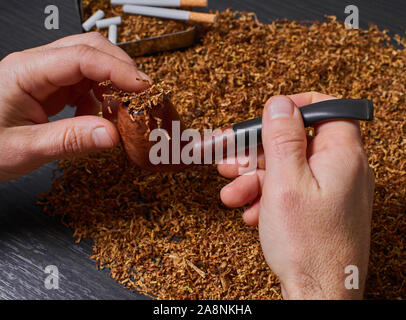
356 109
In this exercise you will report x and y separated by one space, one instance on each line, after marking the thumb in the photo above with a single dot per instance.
68 137
284 142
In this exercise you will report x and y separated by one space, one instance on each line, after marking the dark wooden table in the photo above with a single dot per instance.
30 240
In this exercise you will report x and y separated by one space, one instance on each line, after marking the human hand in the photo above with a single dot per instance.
39 82
312 199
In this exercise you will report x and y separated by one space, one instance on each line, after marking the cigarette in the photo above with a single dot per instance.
101 24
170 13
163 3
112 38
89 23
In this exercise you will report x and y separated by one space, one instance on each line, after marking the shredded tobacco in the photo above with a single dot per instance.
143 102
168 235
146 101
149 99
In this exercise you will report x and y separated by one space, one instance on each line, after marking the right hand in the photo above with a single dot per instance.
312 199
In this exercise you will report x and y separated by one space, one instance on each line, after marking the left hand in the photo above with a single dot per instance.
39 82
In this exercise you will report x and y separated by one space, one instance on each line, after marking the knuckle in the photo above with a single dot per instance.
96 37
83 50
345 140
9 66
285 143
71 142
360 158
12 57
356 160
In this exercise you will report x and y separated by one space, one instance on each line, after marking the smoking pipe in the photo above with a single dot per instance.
134 130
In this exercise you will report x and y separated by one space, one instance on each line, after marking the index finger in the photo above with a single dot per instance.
42 73
93 39
348 129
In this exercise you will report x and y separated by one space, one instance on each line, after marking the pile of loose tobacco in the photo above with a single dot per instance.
167 234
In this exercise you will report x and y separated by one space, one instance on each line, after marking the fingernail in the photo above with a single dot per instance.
243 161
229 185
102 138
280 107
143 76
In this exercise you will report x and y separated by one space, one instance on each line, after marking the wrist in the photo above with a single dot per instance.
302 287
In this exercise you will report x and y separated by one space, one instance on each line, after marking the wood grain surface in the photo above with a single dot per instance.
30 240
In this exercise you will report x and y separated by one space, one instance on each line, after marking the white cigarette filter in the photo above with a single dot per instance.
163 3
89 23
113 33
105 23
170 13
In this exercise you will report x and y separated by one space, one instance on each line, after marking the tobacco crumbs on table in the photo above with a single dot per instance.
167 234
